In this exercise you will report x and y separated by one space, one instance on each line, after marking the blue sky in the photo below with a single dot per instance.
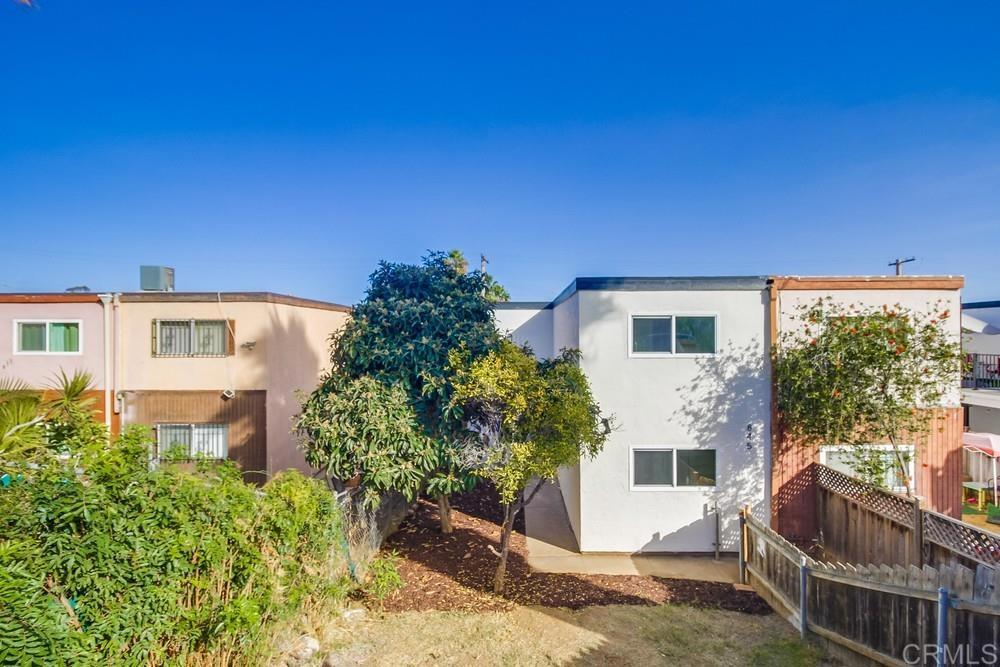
290 146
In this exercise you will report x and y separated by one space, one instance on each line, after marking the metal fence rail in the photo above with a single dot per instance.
982 371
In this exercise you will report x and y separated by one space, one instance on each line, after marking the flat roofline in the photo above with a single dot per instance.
231 297
867 282
50 297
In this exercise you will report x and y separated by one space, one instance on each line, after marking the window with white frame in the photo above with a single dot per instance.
191 441
671 335
671 467
191 338
846 459
48 336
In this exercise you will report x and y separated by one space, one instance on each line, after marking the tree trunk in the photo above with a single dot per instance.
509 512
444 511
904 471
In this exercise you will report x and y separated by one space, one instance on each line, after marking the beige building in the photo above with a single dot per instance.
219 374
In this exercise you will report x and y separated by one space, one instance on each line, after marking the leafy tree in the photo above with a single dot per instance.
363 427
529 418
858 376
400 336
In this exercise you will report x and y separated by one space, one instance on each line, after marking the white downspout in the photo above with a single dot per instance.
108 367
118 373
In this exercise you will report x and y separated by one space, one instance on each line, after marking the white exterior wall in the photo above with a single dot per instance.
984 420
703 402
980 343
531 326
546 331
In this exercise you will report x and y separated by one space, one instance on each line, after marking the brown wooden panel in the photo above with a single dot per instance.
938 468
246 415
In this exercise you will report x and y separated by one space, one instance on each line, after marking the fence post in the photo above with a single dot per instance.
942 625
803 597
918 532
743 546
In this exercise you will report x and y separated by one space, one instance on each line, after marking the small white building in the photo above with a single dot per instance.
681 363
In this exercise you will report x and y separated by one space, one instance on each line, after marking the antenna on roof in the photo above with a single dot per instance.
898 263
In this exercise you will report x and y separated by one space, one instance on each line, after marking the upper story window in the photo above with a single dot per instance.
48 336
193 338
672 335
656 467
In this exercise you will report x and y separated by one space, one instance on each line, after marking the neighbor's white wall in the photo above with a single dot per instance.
984 420
689 402
981 343
531 326
929 301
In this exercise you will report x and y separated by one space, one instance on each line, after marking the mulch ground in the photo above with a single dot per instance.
455 572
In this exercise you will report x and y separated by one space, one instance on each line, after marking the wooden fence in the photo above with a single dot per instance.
860 523
949 615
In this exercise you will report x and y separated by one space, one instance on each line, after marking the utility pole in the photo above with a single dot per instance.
898 263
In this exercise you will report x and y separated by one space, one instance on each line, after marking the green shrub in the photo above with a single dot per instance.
104 561
383 576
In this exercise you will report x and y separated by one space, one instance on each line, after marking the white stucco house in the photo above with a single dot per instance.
683 365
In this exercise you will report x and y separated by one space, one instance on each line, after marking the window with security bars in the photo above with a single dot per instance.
192 338
192 441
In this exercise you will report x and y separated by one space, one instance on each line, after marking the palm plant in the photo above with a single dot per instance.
25 413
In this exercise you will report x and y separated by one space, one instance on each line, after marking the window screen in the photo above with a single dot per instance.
695 467
695 335
174 337
210 337
188 441
653 467
652 334
31 337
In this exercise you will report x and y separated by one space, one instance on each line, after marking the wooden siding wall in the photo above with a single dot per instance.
937 472
246 415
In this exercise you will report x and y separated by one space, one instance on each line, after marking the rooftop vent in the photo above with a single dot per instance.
156 278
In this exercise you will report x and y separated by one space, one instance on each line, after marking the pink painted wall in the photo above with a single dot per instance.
38 370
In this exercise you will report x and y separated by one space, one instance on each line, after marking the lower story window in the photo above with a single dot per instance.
189 441
668 467
867 461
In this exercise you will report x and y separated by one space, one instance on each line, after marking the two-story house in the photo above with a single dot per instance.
42 335
213 374
683 364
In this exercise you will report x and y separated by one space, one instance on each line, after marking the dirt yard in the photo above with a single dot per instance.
445 613
606 636
455 572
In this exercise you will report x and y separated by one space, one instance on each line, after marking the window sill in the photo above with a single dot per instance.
671 489
48 354
669 355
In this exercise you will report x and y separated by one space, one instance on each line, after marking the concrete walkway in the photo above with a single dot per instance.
552 548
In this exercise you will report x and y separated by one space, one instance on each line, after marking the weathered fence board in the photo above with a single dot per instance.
887 613
860 523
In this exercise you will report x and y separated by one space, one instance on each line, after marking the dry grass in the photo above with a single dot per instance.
613 635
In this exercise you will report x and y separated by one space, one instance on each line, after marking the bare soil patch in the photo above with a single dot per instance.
455 572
